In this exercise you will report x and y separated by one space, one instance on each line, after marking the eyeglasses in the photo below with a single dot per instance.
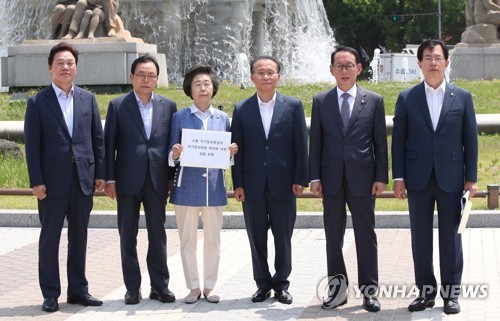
142 77
437 59
348 67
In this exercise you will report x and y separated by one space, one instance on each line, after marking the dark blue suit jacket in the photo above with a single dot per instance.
129 151
51 151
451 150
281 159
361 152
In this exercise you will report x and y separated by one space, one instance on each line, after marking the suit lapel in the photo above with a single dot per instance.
77 108
359 104
279 109
255 115
422 104
334 109
133 108
157 110
449 97
53 106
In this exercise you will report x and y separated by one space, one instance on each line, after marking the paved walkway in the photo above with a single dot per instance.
20 297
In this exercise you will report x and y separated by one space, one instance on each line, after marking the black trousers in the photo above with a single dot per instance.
128 227
421 206
362 210
280 216
76 208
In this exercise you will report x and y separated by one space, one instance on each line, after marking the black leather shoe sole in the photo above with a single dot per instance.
50 305
424 304
133 297
261 296
163 299
326 305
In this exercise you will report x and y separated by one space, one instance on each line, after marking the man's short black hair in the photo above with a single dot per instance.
62 46
345 49
252 63
431 43
143 59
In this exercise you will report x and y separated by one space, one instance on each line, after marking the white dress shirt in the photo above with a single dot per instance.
266 112
66 105
435 99
146 113
352 94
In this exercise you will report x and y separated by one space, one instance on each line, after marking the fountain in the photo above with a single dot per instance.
217 32
375 66
404 69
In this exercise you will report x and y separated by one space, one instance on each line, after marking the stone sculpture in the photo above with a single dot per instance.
483 19
77 19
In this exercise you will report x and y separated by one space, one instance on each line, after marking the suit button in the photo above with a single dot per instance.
264 163
204 175
267 147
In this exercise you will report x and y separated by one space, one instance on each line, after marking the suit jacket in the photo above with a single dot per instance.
50 150
278 161
129 152
194 186
451 150
361 152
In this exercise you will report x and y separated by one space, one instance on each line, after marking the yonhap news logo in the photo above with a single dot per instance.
334 290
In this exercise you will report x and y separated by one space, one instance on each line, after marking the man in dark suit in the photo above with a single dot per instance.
434 157
348 165
65 158
136 137
270 170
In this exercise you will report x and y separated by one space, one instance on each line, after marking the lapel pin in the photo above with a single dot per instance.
452 94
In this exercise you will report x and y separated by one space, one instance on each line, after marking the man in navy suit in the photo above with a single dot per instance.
348 165
434 159
136 137
65 158
270 170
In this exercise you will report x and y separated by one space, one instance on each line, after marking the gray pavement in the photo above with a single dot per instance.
20 297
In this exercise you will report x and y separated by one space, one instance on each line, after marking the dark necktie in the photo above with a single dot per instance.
344 111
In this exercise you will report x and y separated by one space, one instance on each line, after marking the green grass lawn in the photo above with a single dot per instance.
13 173
485 93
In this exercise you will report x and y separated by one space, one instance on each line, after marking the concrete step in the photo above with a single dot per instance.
234 220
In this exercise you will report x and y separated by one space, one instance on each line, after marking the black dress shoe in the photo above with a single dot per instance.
162 294
283 296
333 302
420 304
451 306
371 303
133 296
50 305
84 299
261 295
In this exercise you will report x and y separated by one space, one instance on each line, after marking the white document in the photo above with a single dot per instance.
466 208
205 148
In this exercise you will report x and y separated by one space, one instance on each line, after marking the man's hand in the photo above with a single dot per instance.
316 188
399 189
471 187
233 149
239 194
110 190
378 188
297 189
39 191
100 184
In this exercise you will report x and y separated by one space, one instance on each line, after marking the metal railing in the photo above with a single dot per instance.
491 194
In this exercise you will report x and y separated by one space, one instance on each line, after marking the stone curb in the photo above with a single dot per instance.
234 220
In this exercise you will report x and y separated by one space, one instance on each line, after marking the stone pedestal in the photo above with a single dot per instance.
475 61
102 63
